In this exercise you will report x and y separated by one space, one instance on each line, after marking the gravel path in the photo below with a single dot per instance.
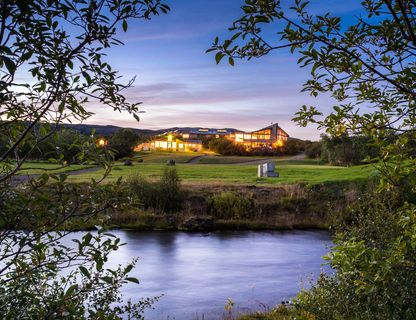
20 178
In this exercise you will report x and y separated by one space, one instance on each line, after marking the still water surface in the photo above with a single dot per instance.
197 273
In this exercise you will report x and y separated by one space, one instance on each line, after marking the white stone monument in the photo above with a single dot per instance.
267 170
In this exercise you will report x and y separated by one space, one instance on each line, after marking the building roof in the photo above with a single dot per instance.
207 131
225 131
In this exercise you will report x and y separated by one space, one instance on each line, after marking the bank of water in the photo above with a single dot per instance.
197 273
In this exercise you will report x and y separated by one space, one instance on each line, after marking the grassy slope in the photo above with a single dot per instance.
241 174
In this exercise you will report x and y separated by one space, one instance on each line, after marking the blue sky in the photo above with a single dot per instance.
180 85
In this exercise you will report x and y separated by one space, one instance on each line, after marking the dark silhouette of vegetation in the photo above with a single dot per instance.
52 63
123 141
366 63
226 147
165 195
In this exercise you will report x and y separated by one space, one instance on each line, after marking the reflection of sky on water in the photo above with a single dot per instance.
197 273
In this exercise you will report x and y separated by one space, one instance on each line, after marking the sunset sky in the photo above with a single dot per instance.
180 85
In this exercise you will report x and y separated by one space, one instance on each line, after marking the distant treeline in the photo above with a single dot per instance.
348 150
69 145
226 147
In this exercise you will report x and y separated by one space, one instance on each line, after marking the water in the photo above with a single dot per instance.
197 273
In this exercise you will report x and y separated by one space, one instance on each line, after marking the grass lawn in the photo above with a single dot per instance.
214 159
163 157
237 174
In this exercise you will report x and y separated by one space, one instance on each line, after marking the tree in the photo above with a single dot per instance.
123 142
367 64
314 150
59 47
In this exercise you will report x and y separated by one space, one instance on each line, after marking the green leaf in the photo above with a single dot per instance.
10 65
135 280
218 57
84 271
71 290
129 268
107 279
87 239
125 25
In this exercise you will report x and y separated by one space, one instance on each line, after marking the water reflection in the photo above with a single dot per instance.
197 273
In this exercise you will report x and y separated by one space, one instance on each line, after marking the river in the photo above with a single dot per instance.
197 273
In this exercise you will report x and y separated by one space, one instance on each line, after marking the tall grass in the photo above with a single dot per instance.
164 195
231 205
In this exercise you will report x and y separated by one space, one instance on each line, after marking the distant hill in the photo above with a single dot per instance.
108 130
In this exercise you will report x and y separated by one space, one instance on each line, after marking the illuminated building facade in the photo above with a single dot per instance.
190 139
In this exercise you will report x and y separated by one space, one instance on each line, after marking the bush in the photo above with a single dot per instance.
225 147
230 205
165 195
123 142
347 150
375 263
314 150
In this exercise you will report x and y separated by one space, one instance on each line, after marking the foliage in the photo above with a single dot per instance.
225 147
375 262
230 205
164 195
282 312
52 63
123 142
294 146
314 150
348 150
367 64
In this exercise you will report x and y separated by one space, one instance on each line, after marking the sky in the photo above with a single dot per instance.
180 85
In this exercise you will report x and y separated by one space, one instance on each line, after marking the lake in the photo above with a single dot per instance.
197 273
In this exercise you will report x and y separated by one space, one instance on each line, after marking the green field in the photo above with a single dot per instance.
212 169
163 157
215 159
237 174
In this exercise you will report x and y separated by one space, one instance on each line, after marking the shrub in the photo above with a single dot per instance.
375 260
230 205
123 142
164 195
314 150
347 150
